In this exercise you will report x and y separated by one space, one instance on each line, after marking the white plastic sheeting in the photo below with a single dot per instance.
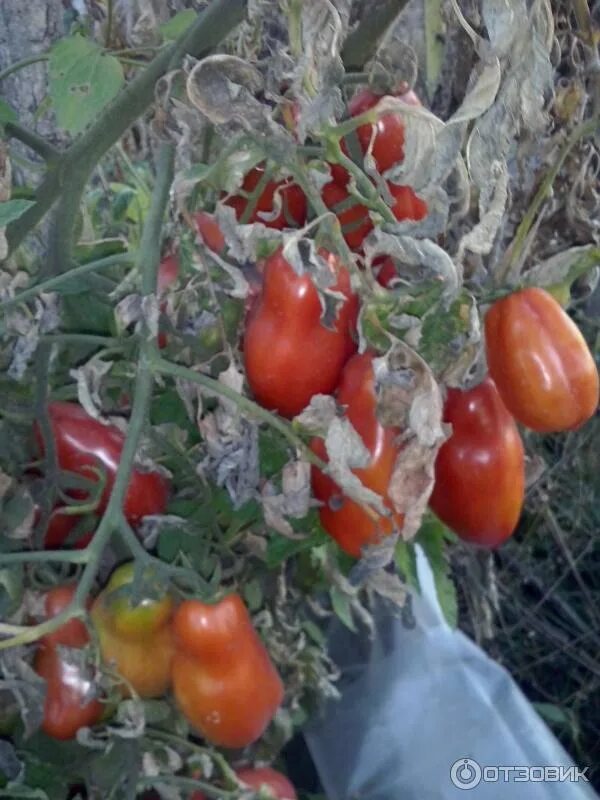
415 701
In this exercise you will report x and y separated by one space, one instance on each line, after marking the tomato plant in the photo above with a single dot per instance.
479 471
540 362
345 520
285 324
135 634
85 445
71 691
280 204
223 678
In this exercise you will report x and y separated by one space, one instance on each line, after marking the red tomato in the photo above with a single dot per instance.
168 272
479 471
355 220
73 633
223 678
285 326
59 527
343 519
540 362
83 443
388 144
70 703
407 206
385 271
209 230
285 195
278 784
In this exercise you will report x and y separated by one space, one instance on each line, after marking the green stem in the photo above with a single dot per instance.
29 556
83 338
141 404
164 367
34 142
362 43
188 783
51 284
227 772
211 26
515 250
25 62
149 252
109 22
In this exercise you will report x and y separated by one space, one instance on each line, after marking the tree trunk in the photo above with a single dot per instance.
28 28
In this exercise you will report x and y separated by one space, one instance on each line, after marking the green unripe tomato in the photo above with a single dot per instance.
146 616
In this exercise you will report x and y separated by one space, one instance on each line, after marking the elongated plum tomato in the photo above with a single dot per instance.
224 681
540 362
59 529
289 353
479 470
281 204
135 634
84 444
209 230
71 701
343 519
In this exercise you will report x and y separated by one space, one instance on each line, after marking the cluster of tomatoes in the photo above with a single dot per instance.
541 372
209 655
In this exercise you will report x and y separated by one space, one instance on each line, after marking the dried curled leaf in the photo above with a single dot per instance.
409 398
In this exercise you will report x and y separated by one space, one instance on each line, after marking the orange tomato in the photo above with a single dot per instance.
540 362
136 639
344 519
224 681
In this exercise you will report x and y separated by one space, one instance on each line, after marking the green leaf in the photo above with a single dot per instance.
443 333
406 562
83 79
274 452
11 589
253 595
279 548
7 113
12 210
178 24
431 537
87 313
342 608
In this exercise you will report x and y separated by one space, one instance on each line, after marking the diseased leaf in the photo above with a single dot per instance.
83 79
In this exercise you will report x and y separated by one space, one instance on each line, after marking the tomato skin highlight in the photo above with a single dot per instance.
293 201
540 362
289 354
224 681
480 470
83 443
343 519
137 640
67 686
